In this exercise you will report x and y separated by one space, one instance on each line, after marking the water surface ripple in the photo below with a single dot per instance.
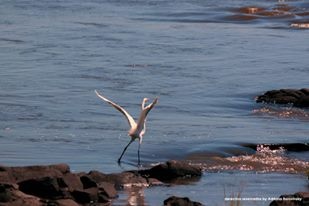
206 60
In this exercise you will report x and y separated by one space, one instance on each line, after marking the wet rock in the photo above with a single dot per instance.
154 182
97 176
66 202
120 180
250 9
72 182
299 98
124 179
297 199
10 195
46 187
86 196
180 201
172 170
5 177
108 190
6 192
18 174
304 197
103 198
88 182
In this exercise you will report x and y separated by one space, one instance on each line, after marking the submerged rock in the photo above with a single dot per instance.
172 170
180 201
299 98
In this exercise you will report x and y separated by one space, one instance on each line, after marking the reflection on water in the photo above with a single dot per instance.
135 196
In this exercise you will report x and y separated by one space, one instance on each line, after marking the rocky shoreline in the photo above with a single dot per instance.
56 185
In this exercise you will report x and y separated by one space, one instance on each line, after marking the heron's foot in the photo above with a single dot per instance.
139 166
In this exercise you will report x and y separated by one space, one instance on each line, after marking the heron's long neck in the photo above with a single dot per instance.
142 119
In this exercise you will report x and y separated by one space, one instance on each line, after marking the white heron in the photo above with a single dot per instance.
137 129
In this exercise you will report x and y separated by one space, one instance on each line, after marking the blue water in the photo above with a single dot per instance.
205 67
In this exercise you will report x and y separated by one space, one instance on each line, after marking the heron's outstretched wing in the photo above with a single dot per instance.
145 111
130 119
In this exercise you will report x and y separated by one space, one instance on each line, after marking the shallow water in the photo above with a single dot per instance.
206 60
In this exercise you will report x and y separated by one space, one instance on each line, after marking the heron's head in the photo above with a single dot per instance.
145 100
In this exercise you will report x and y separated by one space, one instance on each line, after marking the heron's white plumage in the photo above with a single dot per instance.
137 130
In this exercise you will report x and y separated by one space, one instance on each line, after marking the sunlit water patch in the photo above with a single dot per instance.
282 112
263 160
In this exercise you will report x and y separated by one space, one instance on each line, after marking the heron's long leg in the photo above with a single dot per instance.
139 146
124 150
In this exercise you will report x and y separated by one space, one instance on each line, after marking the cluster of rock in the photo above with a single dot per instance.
284 11
299 98
55 185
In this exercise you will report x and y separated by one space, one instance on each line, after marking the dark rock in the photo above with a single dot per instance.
86 196
18 174
66 202
172 170
304 197
297 199
103 198
6 192
120 180
154 182
71 181
97 176
11 196
180 201
108 190
5 177
124 179
88 182
46 187
299 98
